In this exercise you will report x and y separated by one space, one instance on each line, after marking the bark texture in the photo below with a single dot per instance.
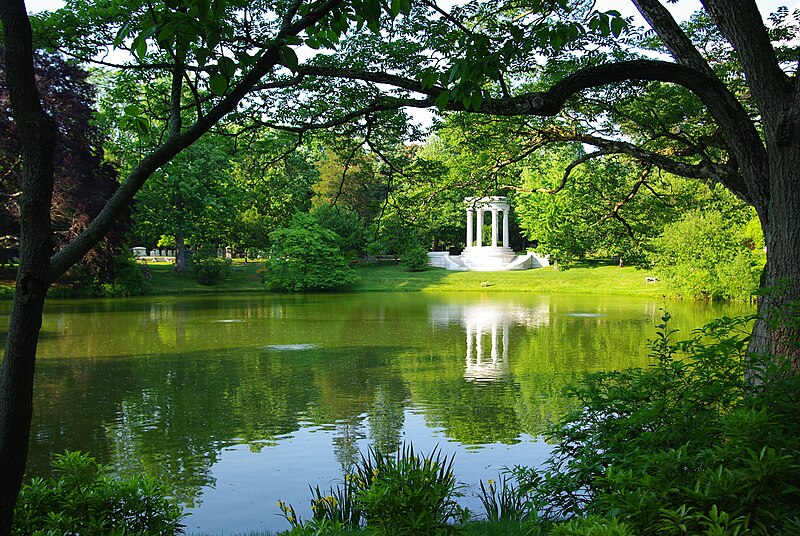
38 135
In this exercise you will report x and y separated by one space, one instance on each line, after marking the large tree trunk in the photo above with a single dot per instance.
777 331
180 252
37 135
16 394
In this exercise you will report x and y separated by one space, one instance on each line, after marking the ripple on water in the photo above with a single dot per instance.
284 347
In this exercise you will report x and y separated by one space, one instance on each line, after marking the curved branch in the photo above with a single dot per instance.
735 125
77 248
568 170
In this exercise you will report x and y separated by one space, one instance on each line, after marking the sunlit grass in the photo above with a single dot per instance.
242 278
594 277
588 278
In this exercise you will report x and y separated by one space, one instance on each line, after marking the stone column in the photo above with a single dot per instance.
494 227
505 227
494 341
505 340
480 228
470 217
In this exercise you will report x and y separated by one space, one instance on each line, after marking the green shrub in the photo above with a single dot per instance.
409 493
84 498
129 279
306 256
686 447
208 266
349 226
706 256
415 258
405 493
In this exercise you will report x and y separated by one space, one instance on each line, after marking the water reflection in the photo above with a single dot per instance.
221 398
490 322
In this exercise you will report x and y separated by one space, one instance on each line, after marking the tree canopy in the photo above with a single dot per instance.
715 99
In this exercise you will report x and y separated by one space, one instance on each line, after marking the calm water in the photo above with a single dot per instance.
235 402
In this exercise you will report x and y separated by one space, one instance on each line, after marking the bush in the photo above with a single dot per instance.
705 256
687 447
306 256
399 494
83 498
348 225
208 266
415 258
129 279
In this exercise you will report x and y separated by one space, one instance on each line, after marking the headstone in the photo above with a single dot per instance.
228 253
139 251
154 253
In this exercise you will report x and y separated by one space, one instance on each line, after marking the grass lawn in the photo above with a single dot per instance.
241 278
592 277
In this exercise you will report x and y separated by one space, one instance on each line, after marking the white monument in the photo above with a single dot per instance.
494 255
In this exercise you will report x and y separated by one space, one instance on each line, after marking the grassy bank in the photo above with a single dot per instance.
592 277
587 278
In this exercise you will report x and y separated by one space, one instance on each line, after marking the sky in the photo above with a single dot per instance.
682 9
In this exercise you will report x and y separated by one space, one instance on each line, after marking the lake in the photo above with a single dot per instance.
234 402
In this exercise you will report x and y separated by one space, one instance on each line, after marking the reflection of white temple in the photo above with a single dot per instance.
494 255
487 326
487 344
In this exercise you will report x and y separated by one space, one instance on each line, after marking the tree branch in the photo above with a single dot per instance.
270 58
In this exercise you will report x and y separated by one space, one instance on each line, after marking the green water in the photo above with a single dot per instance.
234 402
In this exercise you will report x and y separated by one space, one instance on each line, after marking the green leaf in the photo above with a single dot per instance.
442 100
289 58
617 25
218 84
123 32
428 79
227 67
139 47
132 109
477 100
395 8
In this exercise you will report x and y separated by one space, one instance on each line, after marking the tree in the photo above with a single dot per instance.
188 42
708 256
83 181
583 68
192 199
306 256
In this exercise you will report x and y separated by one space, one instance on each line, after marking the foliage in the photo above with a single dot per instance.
129 278
706 255
415 258
405 493
192 196
83 498
208 266
409 493
507 500
83 180
351 180
347 224
690 446
306 256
